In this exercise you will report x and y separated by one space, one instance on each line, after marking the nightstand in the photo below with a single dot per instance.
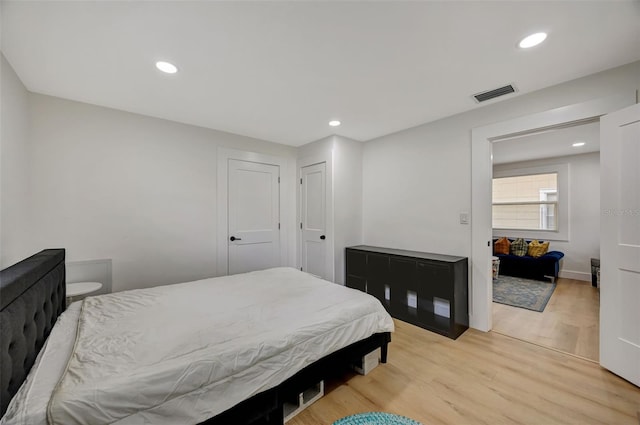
81 288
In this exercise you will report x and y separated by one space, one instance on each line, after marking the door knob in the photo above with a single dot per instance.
233 238
323 237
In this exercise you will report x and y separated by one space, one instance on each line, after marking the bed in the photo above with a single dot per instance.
216 351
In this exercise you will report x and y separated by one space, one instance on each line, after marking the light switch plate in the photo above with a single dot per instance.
464 218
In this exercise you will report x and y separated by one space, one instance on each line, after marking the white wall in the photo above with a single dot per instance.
347 199
138 190
584 212
14 165
141 191
417 181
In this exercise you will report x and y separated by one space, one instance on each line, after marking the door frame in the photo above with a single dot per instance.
482 138
222 206
305 162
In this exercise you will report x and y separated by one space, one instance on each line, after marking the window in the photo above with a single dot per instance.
526 202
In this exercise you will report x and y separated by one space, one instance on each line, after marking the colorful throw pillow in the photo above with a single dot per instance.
537 249
501 246
519 247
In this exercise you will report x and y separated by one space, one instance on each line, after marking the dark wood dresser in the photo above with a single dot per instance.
424 289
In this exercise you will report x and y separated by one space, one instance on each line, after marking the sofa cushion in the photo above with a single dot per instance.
537 249
501 246
519 247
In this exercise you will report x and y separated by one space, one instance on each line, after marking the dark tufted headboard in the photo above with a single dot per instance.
32 296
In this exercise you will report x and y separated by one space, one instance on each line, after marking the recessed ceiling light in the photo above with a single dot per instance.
167 67
578 144
532 40
334 123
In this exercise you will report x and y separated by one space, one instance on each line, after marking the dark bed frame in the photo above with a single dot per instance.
33 295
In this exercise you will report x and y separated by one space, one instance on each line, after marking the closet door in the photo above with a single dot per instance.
316 254
254 216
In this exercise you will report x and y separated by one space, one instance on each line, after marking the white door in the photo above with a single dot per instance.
620 243
254 216
313 220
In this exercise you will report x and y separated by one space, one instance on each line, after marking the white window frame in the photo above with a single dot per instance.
562 206
544 216
541 203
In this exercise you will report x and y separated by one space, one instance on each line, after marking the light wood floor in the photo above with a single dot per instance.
569 323
481 378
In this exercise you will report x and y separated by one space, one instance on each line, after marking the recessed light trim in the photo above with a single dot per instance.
578 144
532 40
334 123
166 67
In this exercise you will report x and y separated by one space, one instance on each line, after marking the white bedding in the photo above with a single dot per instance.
29 406
184 353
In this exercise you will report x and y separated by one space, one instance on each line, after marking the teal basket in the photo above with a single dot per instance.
376 418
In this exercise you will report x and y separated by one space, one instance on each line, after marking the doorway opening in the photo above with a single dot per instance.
481 293
546 191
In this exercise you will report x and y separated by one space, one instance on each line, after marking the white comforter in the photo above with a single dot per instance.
184 353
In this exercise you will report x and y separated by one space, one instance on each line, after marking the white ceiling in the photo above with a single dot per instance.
280 71
548 144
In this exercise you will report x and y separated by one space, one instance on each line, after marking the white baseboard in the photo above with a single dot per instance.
570 274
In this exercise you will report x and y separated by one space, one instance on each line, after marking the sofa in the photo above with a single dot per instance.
545 267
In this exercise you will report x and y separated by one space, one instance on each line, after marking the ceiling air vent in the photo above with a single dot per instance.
492 94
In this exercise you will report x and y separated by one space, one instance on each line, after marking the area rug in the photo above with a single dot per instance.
524 293
375 418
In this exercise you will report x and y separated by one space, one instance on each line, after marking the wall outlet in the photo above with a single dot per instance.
464 218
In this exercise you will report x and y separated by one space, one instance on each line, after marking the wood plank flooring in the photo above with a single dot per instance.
569 323
481 378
